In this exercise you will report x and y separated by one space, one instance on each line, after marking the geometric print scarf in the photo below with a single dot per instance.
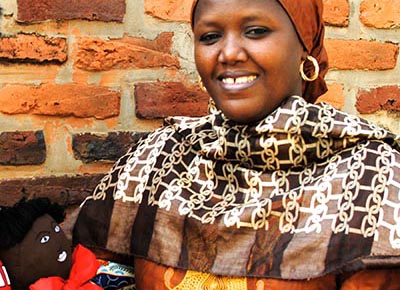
307 191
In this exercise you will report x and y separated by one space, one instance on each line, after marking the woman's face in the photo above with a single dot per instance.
248 55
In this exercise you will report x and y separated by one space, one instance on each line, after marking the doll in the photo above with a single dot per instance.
39 256
33 246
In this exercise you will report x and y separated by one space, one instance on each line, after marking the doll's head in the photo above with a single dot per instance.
32 244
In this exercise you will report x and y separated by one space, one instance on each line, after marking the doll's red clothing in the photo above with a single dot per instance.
84 268
4 279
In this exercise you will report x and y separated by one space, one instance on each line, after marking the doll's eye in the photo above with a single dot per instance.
57 229
44 239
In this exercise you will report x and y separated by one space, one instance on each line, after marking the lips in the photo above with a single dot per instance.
237 81
62 256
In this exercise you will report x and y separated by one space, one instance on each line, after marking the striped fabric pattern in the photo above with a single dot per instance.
309 190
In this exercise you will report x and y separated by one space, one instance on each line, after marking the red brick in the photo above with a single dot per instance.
380 13
334 96
91 147
81 101
98 55
33 48
382 98
159 100
361 54
22 148
65 190
336 12
169 10
40 10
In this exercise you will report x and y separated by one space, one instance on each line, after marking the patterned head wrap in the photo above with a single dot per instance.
306 16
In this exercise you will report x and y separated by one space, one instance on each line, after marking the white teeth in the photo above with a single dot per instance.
239 80
62 257
229 81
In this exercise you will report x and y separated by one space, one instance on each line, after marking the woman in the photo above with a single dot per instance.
266 192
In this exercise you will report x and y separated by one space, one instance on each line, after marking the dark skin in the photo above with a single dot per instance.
45 251
248 55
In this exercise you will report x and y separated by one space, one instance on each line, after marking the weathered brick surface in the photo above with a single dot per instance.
97 55
382 98
336 12
65 190
91 147
22 148
169 10
40 10
334 96
33 48
159 100
77 100
380 13
361 54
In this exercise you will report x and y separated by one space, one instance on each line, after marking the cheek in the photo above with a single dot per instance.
277 53
205 59
197 57
295 56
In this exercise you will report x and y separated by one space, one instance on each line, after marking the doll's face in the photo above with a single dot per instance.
44 252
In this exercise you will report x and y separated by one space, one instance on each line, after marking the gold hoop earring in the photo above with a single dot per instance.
201 85
316 69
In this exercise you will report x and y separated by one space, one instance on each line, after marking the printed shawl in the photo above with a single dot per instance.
308 190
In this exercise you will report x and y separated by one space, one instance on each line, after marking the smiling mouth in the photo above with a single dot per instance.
62 257
238 80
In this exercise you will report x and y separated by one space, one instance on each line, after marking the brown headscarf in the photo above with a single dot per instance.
306 16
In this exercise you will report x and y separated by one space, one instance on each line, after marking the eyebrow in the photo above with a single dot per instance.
205 23
257 17
212 22
40 234
252 17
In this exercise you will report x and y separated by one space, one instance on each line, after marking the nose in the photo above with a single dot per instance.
232 51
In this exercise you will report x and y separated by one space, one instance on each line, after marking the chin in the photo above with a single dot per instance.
243 111
243 120
243 114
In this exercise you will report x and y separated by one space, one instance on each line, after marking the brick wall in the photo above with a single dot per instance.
81 80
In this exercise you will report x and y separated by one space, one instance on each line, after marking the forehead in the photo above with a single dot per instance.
43 223
222 9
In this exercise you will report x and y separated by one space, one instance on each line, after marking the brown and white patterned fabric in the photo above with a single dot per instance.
307 191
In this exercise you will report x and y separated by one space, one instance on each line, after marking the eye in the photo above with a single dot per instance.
57 229
210 38
256 32
44 239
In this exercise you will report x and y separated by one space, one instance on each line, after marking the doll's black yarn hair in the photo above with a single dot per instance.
16 221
